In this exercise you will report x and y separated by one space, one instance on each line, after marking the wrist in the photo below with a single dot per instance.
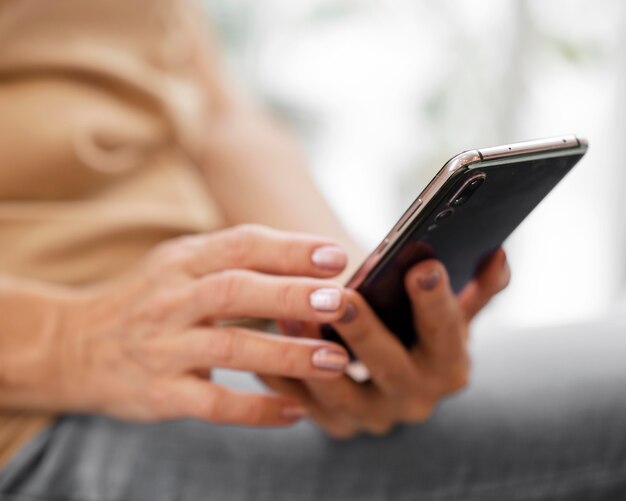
32 320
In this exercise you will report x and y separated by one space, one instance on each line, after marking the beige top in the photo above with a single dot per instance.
102 115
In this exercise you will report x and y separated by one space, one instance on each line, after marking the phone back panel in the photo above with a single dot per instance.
464 240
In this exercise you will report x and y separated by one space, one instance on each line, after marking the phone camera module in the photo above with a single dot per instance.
444 214
460 200
467 190
475 183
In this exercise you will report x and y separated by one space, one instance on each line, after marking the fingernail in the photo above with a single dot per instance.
294 412
329 359
329 257
293 327
349 315
325 299
505 274
430 281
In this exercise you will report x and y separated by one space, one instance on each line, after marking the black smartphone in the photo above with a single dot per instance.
466 213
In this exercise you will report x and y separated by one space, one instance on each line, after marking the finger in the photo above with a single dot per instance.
417 410
363 405
288 386
337 426
217 404
243 293
390 365
493 278
296 328
263 249
439 320
247 350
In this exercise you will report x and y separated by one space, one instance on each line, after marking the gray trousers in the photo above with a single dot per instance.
544 418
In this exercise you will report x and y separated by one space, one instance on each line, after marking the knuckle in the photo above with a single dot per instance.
241 241
427 412
154 319
255 413
394 377
333 399
442 333
347 403
250 230
341 432
166 304
455 321
379 429
142 315
452 323
208 407
157 400
152 357
222 351
285 298
173 254
419 411
292 253
225 290
289 359
457 379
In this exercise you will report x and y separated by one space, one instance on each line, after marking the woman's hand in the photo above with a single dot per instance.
143 348
405 385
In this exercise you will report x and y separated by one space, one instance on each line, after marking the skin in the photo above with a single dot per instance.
405 386
250 152
142 348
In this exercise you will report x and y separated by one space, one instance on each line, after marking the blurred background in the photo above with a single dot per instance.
383 92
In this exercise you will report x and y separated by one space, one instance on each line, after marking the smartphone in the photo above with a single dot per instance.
464 215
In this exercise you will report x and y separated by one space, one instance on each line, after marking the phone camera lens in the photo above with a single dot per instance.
460 200
468 189
444 214
475 183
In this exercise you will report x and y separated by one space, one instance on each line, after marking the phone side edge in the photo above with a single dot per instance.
465 160
536 146
453 166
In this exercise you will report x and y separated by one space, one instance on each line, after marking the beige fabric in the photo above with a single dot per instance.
100 114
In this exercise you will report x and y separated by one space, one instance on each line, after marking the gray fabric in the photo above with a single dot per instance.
545 418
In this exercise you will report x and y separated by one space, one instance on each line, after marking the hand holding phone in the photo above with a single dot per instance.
406 384
467 211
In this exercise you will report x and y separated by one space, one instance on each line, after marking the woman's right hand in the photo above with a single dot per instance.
143 347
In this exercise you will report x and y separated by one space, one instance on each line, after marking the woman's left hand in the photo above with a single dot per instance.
405 386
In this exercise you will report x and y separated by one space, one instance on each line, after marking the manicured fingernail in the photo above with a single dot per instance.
293 327
325 299
294 412
349 315
329 359
430 281
505 275
330 258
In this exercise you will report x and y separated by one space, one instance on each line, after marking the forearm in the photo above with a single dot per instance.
253 165
257 173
